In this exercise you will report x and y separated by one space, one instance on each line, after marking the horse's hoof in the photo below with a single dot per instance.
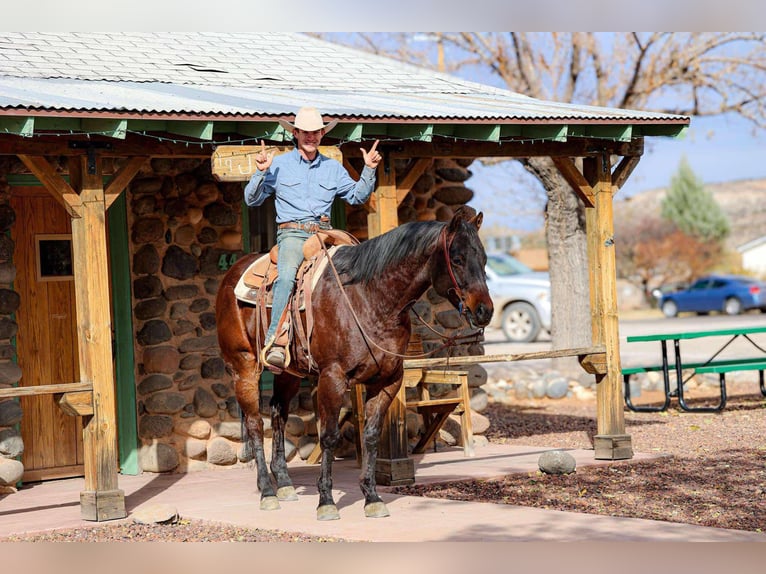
287 493
376 510
269 503
328 512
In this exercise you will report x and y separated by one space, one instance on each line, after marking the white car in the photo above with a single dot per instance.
521 297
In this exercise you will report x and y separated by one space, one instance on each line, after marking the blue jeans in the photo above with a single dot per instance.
289 258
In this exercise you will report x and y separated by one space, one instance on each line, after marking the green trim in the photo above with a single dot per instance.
552 133
112 128
266 130
199 130
338 214
17 126
673 131
245 218
63 124
124 357
614 133
348 132
484 132
272 131
417 132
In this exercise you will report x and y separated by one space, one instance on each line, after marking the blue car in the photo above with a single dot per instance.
730 294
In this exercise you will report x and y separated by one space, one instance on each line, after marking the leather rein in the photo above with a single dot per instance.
449 341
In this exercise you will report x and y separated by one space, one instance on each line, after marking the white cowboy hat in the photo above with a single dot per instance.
308 120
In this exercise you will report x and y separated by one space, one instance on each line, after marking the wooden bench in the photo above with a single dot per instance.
434 410
712 365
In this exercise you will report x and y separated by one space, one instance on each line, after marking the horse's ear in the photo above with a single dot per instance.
463 213
477 219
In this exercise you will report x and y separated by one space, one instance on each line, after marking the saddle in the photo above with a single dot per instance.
255 287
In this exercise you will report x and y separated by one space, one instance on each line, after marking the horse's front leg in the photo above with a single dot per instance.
331 386
375 410
246 378
285 387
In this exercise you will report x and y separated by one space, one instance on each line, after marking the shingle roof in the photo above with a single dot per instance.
254 76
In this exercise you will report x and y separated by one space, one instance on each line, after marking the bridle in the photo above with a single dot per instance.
462 309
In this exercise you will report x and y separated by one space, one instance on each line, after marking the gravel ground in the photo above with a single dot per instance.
714 473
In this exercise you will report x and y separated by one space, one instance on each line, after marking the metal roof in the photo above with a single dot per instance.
260 77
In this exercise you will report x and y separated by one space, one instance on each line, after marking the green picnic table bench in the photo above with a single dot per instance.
713 365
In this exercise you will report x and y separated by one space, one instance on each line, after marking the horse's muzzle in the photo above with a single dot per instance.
483 314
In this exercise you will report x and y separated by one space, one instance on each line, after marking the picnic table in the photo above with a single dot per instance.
714 364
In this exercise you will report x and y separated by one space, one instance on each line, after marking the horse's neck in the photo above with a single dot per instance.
398 286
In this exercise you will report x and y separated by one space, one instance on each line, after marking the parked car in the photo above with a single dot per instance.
730 294
521 297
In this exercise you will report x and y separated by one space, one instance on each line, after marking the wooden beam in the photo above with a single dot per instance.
623 170
473 360
575 147
101 499
77 404
575 179
417 169
44 390
610 442
54 183
122 178
385 217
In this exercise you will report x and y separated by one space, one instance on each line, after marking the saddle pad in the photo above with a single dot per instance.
248 295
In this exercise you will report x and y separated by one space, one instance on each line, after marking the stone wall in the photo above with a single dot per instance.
184 232
11 444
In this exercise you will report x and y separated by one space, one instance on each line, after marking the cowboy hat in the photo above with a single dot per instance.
308 120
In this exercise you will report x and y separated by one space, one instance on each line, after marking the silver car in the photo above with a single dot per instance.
521 297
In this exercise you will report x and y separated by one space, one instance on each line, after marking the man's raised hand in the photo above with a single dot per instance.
263 159
371 158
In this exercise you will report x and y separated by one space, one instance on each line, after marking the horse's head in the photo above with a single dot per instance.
458 270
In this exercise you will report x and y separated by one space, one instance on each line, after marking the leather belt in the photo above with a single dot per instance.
307 226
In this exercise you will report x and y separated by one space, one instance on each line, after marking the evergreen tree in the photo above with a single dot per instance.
692 208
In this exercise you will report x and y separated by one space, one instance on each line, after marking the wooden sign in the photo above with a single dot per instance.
237 162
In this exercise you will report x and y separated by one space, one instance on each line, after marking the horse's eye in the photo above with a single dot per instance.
457 260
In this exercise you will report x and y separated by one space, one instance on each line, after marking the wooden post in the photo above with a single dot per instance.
393 466
101 499
611 442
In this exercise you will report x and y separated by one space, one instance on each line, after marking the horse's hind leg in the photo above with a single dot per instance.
246 388
285 388
330 389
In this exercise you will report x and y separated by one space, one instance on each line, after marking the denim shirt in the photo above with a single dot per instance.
306 190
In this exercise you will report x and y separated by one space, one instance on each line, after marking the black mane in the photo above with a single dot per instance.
367 261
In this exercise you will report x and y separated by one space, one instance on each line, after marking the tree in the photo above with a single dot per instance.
692 208
700 74
653 251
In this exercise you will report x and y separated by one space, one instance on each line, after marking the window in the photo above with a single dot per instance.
54 257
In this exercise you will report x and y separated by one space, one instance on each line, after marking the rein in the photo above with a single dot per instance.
450 341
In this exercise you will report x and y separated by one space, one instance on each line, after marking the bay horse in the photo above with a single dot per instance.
358 338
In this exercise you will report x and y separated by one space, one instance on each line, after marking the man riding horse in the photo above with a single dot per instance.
305 184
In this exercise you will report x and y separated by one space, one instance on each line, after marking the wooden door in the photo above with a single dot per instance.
46 342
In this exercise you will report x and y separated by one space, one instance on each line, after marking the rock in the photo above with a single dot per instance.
155 514
11 471
204 403
221 452
556 462
557 388
10 413
11 443
158 457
